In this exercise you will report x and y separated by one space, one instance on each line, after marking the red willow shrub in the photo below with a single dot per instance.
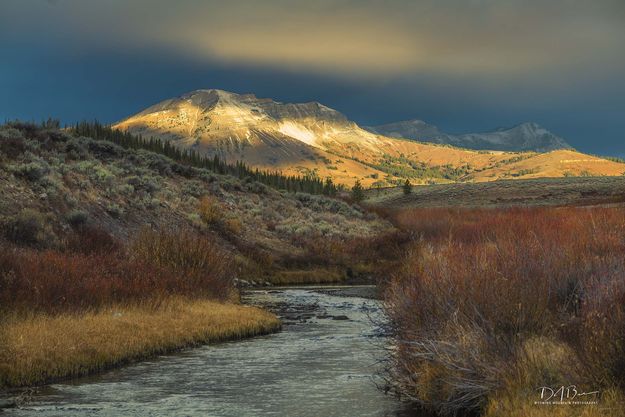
196 264
156 264
88 239
334 251
477 283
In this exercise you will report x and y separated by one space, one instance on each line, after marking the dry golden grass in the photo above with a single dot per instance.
556 164
41 348
545 362
519 192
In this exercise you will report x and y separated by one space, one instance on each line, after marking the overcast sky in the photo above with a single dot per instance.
464 65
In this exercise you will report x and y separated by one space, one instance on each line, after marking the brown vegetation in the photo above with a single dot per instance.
311 276
492 304
93 303
54 181
327 259
99 272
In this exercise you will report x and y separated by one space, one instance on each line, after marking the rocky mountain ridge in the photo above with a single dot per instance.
313 139
525 137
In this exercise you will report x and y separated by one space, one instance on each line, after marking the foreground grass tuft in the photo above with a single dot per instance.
41 348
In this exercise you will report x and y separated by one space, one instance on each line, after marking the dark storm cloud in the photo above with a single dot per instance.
464 64
514 37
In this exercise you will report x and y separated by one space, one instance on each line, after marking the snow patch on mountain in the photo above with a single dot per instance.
298 132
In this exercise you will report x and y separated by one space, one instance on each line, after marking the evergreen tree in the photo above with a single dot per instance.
310 183
358 192
407 187
329 188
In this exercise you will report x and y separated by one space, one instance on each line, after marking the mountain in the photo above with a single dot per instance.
521 138
294 138
408 129
312 139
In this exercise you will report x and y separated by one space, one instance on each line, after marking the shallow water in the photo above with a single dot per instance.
321 364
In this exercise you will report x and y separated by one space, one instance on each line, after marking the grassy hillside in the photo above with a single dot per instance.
53 181
435 164
530 192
